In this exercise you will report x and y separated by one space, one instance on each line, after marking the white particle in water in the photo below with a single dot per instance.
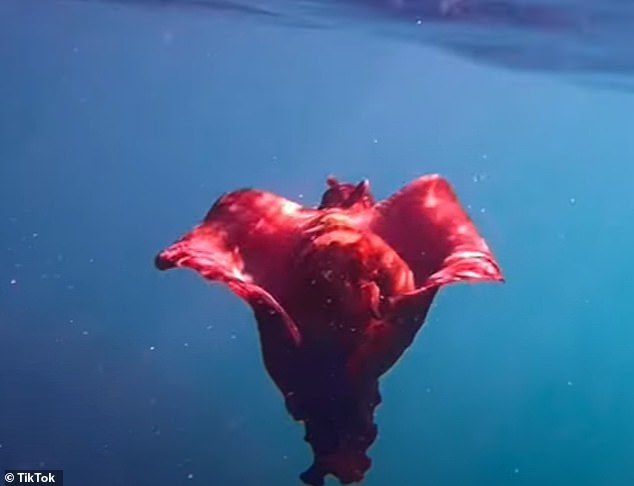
483 210
572 200
516 470
301 196
569 383
186 345
209 327
35 235
85 333
419 22
13 281
152 348
233 336
190 476
376 140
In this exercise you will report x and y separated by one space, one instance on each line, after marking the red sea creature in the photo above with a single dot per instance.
339 292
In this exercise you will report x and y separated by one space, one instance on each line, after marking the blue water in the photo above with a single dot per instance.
119 126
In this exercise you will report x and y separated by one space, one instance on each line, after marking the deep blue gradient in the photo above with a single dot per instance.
120 126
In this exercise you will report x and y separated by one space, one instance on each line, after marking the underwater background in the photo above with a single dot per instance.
121 124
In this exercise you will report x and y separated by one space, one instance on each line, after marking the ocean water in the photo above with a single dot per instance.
121 124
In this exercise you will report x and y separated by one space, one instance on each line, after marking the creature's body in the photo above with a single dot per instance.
339 292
